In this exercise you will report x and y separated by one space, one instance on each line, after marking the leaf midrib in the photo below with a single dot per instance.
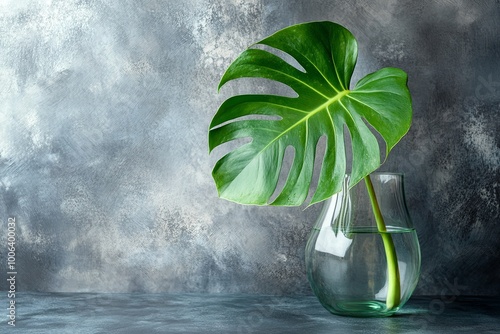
310 114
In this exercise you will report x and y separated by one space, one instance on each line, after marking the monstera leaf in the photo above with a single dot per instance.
325 105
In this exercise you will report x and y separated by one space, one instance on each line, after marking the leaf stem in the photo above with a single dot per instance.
393 285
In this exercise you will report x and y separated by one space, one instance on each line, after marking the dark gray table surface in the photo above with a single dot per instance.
237 313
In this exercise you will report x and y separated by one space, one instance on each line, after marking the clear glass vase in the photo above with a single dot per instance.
359 262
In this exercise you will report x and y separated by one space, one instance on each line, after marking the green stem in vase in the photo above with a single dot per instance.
393 284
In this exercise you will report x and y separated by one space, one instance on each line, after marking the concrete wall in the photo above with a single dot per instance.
104 165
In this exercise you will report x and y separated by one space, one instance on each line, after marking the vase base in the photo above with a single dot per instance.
360 309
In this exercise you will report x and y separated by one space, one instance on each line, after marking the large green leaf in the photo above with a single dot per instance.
327 52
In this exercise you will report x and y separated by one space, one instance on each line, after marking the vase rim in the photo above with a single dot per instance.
383 173
388 173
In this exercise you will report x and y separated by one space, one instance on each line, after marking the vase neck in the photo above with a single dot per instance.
352 209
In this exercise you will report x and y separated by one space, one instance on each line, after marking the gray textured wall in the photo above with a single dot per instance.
104 110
